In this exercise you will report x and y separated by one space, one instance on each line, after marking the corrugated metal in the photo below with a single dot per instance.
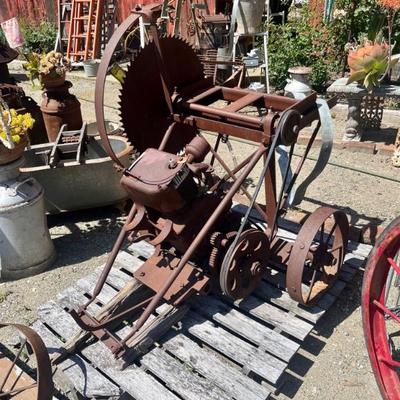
30 10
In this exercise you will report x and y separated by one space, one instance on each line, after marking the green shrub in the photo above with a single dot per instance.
40 38
300 43
325 47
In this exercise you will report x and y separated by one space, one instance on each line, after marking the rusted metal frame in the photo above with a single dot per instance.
231 175
104 324
107 337
199 238
289 188
44 383
220 113
245 101
208 94
102 74
278 103
111 258
253 135
166 136
234 172
216 147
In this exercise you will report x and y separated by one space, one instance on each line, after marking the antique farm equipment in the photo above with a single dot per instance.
381 310
18 384
183 207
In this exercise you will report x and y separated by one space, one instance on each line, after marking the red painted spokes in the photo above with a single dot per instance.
380 309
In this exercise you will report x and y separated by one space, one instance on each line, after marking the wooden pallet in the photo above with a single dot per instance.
219 351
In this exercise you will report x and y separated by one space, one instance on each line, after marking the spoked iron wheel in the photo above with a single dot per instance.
17 384
381 317
317 255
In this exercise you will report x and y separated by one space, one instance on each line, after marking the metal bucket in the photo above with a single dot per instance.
91 67
250 16
74 186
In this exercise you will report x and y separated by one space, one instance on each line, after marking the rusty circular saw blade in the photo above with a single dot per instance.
144 112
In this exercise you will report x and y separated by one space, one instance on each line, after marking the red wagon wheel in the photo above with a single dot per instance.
381 320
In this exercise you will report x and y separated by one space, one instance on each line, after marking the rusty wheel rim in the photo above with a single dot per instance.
244 265
12 384
317 255
380 321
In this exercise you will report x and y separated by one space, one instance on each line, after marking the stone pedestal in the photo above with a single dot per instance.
356 95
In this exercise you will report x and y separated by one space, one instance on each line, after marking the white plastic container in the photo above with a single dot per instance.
25 245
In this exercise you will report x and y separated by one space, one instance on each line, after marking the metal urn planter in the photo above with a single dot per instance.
60 107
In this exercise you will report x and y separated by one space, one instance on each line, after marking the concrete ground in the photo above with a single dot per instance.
333 363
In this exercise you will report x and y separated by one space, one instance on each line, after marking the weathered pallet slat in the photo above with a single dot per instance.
210 366
276 317
246 327
265 365
180 378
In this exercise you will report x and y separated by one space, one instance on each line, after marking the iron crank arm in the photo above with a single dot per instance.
96 325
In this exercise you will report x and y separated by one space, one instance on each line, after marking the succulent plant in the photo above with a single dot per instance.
369 63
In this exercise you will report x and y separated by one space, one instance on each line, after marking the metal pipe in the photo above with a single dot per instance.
112 256
204 231
230 173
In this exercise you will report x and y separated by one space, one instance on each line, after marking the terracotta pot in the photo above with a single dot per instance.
52 80
9 155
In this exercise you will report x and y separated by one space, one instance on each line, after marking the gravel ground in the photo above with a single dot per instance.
333 363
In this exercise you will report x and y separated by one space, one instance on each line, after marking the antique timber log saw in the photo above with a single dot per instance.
184 208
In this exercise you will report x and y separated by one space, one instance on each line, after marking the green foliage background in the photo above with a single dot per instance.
39 38
323 47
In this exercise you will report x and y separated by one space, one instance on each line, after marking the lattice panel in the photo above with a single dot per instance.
372 111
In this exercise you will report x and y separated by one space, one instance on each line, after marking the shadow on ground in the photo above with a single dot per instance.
85 239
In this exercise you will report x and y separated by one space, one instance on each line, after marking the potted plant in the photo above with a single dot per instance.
50 69
14 128
32 66
370 63
53 68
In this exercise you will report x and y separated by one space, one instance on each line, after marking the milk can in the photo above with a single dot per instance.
60 107
299 82
25 244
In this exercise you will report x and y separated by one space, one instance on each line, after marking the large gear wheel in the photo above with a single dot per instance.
144 110
244 265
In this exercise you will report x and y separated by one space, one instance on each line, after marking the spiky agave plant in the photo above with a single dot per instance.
368 63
